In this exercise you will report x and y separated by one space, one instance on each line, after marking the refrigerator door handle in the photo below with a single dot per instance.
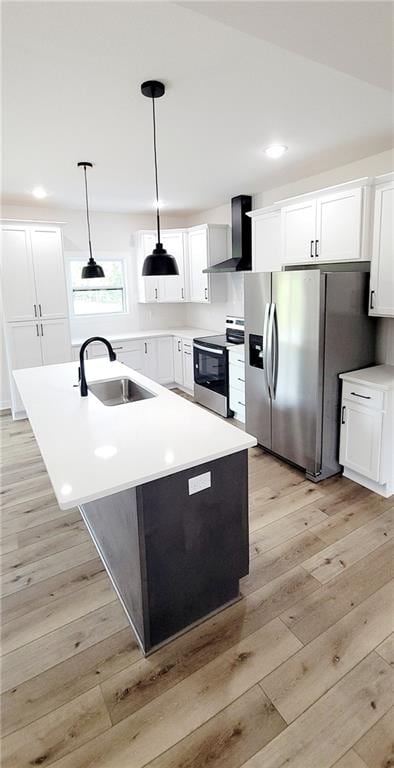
274 350
269 356
266 348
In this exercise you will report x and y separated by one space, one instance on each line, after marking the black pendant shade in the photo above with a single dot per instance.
159 262
91 269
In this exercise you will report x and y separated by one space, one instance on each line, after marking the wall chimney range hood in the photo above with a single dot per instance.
241 237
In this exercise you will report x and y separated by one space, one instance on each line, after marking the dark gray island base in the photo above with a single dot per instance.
175 553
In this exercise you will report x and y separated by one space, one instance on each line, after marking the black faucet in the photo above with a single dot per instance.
112 357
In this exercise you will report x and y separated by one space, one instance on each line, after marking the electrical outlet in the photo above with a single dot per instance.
199 483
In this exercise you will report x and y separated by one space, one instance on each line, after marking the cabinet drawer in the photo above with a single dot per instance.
237 377
237 356
237 399
366 396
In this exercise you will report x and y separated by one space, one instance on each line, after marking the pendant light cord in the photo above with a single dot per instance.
156 175
87 212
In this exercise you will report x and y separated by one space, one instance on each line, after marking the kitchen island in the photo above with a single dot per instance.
161 484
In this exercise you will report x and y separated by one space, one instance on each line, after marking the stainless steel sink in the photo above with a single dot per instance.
119 391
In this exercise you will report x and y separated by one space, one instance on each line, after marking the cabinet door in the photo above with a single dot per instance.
178 361
298 232
338 230
188 369
17 275
49 274
382 266
131 357
149 358
173 288
25 345
198 260
55 342
149 292
165 360
361 434
266 252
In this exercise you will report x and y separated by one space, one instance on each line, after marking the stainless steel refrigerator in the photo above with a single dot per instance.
303 328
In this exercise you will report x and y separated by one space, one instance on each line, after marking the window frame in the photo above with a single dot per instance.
101 257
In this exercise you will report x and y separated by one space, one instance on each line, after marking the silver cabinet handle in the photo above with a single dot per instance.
316 251
365 397
206 294
311 251
42 330
179 345
186 353
145 347
35 310
239 360
239 403
371 304
39 309
243 380
117 347
343 414
182 293
38 332
155 293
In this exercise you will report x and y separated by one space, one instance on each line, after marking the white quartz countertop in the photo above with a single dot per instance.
378 376
184 333
92 450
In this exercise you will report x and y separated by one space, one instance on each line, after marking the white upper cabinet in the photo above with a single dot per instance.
17 275
381 300
194 250
162 289
198 260
49 275
266 243
324 228
32 273
173 288
338 226
298 232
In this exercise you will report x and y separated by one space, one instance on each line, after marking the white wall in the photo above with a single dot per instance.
213 316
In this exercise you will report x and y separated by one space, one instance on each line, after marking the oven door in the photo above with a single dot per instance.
210 368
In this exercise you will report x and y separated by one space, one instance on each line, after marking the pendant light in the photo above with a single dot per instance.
159 262
91 269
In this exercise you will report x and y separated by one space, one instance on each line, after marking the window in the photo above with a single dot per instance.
98 295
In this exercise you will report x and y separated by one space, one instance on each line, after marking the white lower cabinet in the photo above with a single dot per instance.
178 360
366 438
32 344
55 342
188 368
165 360
236 358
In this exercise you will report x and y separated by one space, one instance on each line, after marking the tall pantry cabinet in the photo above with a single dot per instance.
34 298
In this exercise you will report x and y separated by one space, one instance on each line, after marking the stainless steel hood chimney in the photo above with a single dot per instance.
241 236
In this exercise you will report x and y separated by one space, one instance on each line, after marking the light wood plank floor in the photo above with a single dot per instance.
297 674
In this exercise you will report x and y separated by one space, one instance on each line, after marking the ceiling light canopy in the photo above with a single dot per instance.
91 269
159 262
275 150
39 192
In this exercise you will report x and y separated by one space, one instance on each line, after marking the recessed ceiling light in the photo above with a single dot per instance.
39 192
275 150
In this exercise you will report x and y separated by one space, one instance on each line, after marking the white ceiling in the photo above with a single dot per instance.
239 76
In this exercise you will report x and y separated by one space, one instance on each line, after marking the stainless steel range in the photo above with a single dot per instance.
210 355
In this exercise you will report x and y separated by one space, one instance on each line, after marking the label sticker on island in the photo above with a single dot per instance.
199 483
